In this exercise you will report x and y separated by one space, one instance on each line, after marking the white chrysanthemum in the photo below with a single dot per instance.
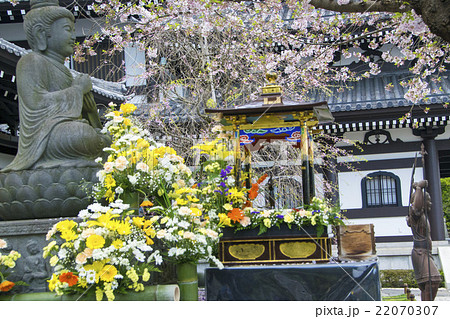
76 244
95 207
99 254
175 251
62 253
184 224
161 233
184 210
84 214
133 179
124 262
142 167
101 175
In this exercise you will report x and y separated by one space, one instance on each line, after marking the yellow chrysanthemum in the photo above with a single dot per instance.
109 181
126 122
288 218
138 221
128 108
65 225
95 242
117 243
53 282
108 273
123 228
109 195
181 201
141 143
224 220
69 235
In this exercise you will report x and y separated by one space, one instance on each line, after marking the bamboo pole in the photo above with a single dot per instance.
150 293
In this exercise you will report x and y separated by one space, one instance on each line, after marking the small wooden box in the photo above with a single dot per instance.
356 242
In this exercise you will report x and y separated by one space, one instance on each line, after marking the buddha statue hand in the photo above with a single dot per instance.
84 82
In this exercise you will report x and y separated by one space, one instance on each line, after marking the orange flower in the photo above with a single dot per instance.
68 277
236 214
262 178
253 192
146 203
6 285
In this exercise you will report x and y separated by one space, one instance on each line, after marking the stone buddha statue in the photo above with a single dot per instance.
59 121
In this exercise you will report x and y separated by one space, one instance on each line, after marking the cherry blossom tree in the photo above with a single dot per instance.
215 53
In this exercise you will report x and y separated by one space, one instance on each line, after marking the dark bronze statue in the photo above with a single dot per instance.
426 272
59 121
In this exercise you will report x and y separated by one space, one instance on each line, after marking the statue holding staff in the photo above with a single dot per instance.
425 270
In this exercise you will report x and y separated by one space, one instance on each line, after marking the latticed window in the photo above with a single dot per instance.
381 189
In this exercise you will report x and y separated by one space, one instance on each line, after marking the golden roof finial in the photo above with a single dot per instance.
271 87
271 76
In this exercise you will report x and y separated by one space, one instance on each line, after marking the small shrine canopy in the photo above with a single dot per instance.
272 110
273 117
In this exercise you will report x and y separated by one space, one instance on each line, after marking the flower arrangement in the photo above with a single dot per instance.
136 163
318 214
187 234
107 252
217 190
231 205
7 263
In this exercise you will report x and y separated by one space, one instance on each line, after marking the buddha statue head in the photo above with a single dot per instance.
39 26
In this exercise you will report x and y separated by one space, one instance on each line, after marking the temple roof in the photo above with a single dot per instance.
370 93
111 90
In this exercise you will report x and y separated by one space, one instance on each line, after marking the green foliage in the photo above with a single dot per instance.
397 278
401 297
445 186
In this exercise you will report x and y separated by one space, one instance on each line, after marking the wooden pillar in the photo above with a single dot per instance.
432 175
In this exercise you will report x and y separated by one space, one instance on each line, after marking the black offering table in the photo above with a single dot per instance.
313 282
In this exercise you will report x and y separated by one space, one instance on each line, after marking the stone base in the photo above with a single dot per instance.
45 193
28 238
